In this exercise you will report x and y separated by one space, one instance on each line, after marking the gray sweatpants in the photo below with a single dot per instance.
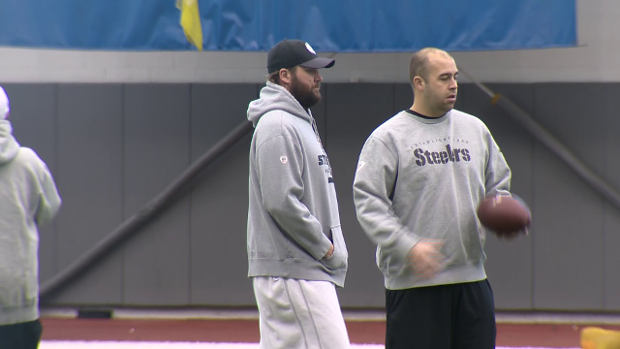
299 314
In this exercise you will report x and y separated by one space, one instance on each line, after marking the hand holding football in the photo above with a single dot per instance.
505 215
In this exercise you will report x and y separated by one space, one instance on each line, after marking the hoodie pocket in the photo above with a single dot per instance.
339 259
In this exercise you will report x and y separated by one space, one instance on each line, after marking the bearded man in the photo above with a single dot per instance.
296 251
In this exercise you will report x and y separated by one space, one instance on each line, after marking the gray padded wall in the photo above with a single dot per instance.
89 178
112 148
157 150
220 198
611 230
568 244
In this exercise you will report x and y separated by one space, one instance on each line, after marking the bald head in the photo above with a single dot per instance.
433 77
418 65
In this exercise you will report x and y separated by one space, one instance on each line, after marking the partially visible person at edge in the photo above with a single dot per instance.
296 250
28 199
419 180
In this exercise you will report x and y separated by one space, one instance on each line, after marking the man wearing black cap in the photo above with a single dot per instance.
296 251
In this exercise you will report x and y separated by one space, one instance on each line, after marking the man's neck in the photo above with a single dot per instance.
420 108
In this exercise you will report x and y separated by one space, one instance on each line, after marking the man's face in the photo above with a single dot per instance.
441 85
306 86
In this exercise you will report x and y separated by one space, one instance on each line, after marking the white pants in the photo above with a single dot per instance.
299 314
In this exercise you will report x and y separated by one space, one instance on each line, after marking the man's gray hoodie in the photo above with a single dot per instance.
293 214
28 199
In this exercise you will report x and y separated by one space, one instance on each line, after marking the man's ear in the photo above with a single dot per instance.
286 76
418 83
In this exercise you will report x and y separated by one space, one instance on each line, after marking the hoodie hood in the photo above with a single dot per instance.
8 144
276 97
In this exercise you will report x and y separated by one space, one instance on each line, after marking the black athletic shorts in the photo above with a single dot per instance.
24 335
457 316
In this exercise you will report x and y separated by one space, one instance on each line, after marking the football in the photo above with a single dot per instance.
504 214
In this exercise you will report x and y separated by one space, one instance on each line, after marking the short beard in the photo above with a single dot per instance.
305 97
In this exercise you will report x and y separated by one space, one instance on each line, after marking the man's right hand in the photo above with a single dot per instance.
330 252
425 258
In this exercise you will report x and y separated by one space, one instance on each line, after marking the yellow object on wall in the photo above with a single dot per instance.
190 21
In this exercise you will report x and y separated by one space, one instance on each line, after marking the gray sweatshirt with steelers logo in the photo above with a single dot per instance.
423 178
293 214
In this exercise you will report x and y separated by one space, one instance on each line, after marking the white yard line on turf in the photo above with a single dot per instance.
162 345
187 345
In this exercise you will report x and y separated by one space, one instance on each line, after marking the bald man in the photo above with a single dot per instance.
419 179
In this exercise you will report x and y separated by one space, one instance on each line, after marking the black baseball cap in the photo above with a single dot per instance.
290 53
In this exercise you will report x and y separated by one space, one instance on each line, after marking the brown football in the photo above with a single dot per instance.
504 214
